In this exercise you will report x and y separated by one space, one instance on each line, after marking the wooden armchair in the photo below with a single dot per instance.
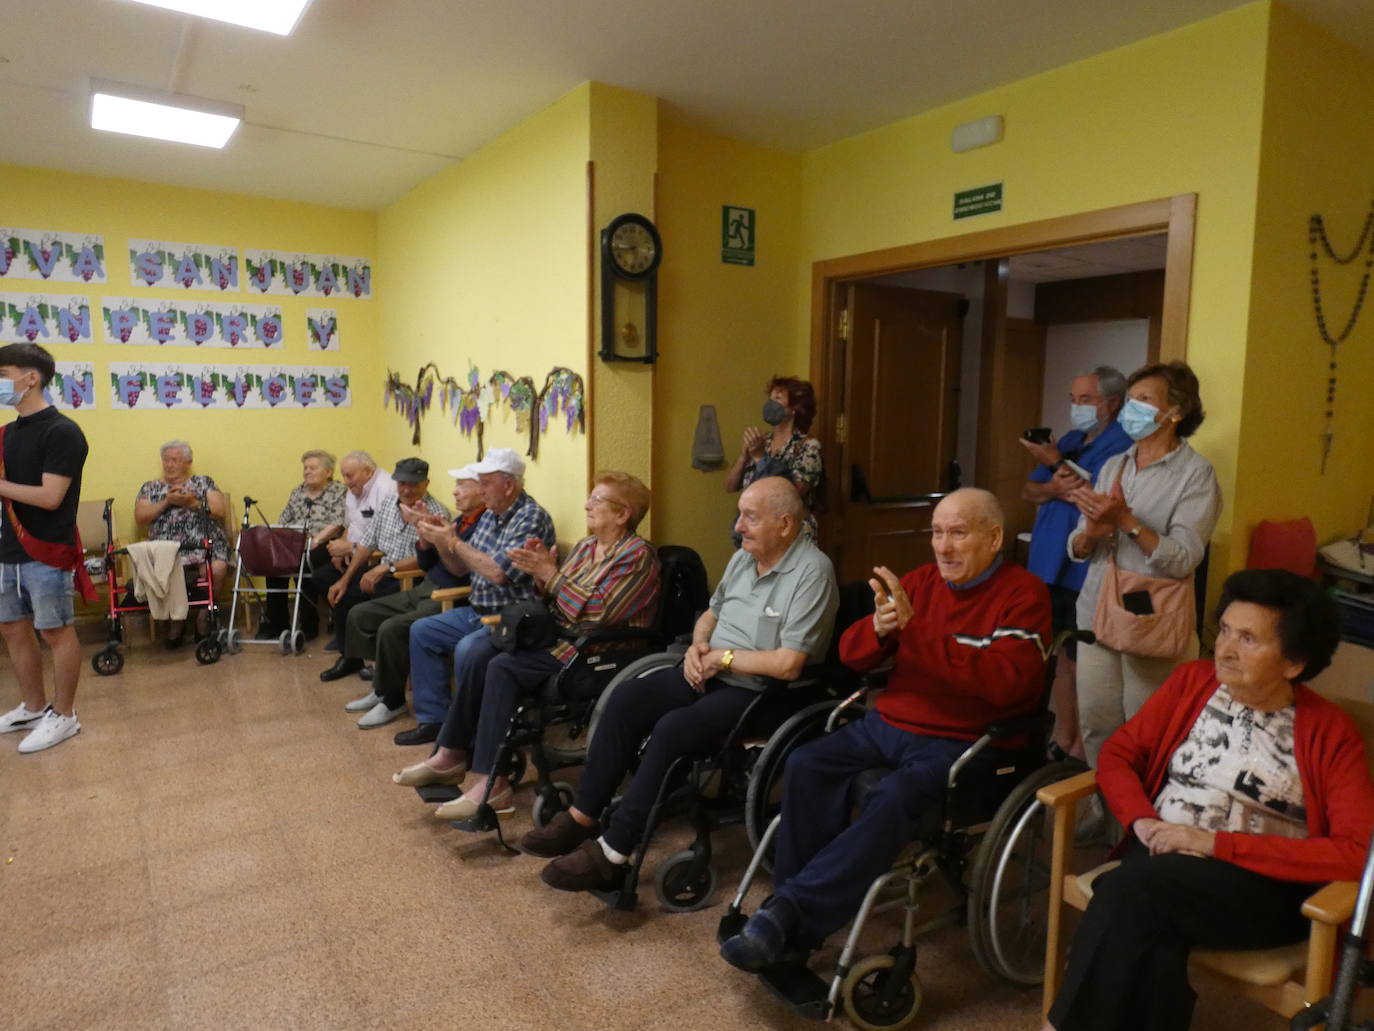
1284 980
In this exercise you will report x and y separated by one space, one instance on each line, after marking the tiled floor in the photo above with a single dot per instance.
221 847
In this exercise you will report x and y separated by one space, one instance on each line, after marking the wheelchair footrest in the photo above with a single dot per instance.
438 794
485 820
730 925
618 898
798 986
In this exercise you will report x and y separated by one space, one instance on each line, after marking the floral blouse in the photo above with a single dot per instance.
802 456
184 524
326 510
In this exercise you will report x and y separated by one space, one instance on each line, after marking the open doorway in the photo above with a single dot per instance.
930 372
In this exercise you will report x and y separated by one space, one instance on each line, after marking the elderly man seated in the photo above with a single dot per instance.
772 613
369 489
1239 788
968 634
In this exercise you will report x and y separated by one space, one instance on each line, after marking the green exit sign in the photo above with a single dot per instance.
981 200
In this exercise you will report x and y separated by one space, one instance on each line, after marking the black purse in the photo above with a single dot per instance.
524 625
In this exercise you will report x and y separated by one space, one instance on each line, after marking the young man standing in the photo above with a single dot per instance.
40 484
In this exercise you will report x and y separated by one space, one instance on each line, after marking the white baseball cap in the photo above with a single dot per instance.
466 472
501 460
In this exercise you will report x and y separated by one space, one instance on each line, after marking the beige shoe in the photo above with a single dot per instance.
465 808
420 774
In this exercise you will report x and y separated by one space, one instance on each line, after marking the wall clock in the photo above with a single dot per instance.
631 251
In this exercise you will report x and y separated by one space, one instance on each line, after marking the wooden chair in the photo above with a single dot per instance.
1284 980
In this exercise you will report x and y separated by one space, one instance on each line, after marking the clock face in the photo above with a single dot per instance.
633 248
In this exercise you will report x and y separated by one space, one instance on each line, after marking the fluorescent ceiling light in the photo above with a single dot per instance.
163 116
279 16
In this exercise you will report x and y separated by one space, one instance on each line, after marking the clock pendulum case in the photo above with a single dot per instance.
631 251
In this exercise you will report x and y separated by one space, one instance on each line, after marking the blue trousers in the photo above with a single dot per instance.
434 642
824 862
677 720
489 686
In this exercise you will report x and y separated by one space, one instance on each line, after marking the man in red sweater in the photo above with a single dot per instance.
969 634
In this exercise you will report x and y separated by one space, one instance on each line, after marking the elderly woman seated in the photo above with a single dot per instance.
184 507
611 578
1241 789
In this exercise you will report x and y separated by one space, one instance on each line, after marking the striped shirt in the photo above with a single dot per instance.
495 534
620 590
389 533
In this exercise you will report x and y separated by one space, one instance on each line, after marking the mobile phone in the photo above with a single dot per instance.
1077 470
1039 435
1138 603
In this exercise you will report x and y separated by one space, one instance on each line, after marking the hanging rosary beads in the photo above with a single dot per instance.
1316 236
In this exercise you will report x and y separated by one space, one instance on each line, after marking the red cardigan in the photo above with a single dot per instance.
960 665
1331 765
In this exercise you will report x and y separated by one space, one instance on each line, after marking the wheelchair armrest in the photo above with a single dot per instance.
597 635
1063 793
1018 726
1332 904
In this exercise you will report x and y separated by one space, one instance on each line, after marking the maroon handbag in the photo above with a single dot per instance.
272 550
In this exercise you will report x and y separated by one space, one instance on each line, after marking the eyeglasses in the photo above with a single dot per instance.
605 499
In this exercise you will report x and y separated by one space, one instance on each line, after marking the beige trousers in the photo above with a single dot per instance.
1112 687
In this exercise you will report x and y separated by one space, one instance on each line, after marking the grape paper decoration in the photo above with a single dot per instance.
563 390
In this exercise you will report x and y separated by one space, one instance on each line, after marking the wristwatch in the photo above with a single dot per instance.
391 569
727 660
1134 532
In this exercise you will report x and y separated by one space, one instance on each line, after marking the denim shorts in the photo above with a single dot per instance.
32 590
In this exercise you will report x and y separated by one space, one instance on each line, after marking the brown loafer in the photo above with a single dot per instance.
560 836
584 869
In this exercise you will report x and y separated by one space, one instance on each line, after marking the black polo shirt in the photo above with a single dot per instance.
44 442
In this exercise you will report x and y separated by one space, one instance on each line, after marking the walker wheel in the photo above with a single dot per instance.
546 808
233 641
108 662
208 651
873 1002
284 642
298 643
679 890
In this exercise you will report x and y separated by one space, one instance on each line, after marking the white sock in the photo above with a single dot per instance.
611 854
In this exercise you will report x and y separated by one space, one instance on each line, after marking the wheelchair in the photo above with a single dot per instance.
552 723
714 790
989 841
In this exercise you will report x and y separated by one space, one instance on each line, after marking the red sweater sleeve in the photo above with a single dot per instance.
1124 766
860 647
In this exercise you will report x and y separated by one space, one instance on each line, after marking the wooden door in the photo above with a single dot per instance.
1018 375
898 418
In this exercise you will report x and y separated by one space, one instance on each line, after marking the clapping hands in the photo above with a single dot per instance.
892 605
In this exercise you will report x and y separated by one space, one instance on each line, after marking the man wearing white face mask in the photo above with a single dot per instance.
1094 401
43 453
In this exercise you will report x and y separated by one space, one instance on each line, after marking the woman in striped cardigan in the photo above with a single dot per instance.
611 578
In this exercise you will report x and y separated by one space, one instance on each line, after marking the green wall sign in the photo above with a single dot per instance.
981 200
737 228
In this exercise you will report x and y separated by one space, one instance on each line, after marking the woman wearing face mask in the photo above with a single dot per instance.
787 450
1152 509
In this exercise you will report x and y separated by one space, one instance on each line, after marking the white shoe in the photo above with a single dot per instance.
52 729
363 704
379 715
21 717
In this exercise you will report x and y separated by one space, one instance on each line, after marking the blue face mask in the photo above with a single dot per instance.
1138 419
1083 417
8 395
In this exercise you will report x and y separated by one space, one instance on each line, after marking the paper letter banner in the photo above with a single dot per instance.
307 275
129 320
195 266
45 319
56 257
323 324
158 385
72 386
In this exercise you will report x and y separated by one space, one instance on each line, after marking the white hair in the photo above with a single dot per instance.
361 457
180 445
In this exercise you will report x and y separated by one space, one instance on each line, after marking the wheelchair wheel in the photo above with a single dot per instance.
208 651
515 766
107 662
233 642
636 670
763 799
678 889
873 1002
544 810
1009 889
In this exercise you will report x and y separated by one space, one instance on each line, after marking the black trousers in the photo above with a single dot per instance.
326 576
277 607
1128 966
677 720
379 629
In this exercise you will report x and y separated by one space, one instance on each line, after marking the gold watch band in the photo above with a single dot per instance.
728 659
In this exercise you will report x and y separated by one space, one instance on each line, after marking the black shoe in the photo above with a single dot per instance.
422 734
266 632
367 673
343 667
175 638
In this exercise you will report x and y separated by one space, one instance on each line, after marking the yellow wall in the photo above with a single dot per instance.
1317 156
1176 113
247 452
486 263
725 329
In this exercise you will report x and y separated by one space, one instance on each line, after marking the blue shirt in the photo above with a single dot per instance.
1057 518
494 534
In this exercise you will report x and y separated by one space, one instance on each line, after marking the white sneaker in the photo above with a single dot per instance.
52 729
364 703
379 715
20 718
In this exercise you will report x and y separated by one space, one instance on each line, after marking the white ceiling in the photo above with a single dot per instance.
369 97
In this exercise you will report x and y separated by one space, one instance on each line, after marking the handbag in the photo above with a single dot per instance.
524 625
271 550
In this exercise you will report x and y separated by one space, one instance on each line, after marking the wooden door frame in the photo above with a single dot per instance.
1175 216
